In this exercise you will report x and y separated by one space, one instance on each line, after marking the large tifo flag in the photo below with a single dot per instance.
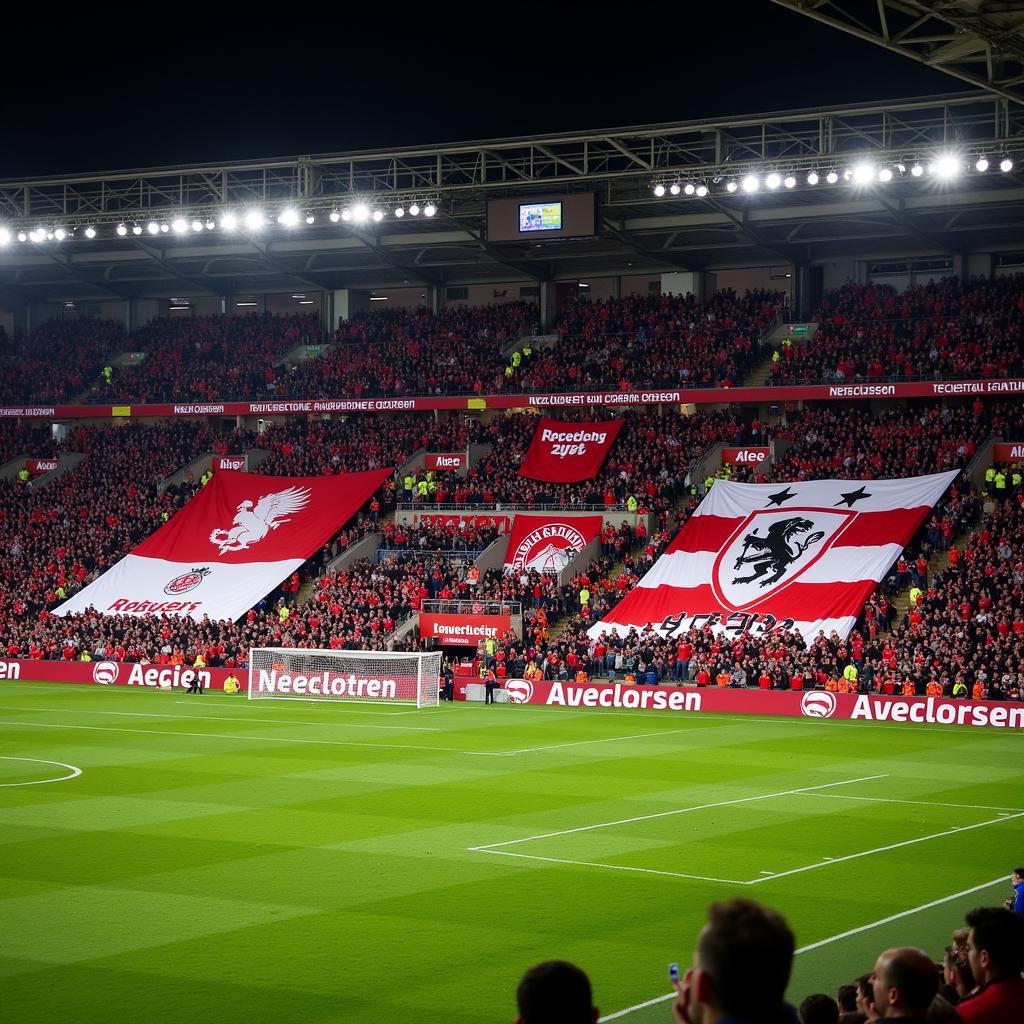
229 546
547 544
760 557
565 453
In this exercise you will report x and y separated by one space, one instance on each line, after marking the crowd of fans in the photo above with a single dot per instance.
946 329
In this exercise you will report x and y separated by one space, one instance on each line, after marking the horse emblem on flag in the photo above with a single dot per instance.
771 549
252 523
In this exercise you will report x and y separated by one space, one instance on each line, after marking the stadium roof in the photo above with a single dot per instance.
637 231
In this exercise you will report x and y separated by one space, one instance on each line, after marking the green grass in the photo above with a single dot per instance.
219 860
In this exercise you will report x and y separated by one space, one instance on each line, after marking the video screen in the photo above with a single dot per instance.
540 217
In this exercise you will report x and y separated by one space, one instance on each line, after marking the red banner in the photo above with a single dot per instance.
115 673
37 466
745 456
463 630
446 519
548 543
446 461
566 453
581 400
235 463
786 703
1008 452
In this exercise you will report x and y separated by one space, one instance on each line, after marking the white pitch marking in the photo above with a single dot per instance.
763 873
678 810
833 938
253 739
214 718
920 803
613 867
75 772
891 846
611 739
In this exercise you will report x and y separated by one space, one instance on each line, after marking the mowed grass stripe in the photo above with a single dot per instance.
361 851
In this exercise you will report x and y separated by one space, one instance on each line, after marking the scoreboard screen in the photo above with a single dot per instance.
540 217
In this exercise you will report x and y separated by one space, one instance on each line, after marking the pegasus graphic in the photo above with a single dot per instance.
252 524
776 552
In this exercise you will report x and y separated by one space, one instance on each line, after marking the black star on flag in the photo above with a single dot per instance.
780 496
850 497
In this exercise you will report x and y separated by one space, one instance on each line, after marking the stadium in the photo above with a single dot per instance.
691 451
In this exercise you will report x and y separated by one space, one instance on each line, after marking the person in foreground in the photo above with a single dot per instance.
995 950
905 983
555 992
740 969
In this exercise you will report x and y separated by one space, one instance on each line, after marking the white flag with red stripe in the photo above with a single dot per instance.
760 557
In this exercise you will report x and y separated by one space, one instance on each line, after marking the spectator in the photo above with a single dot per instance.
819 1009
555 992
995 950
905 983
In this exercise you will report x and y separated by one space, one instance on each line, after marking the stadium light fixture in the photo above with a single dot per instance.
917 169
690 188
180 225
5 236
334 216
981 164
730 186
136 229
751 183
885 174
812 178
414 210
165 227
310 218
789 181
197 225
774 180
864 173
122 230
289 217
832 177
153 228
901 167
1006 164
90 232
38 235
399 211
22 237
429 210
49 236
674 188
60 234
659 190
254 220
378 216
361 213
346 215
702 191
946 166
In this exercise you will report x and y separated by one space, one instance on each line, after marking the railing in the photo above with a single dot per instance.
440 607
496 507
407 554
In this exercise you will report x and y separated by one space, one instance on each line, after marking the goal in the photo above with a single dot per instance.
378 677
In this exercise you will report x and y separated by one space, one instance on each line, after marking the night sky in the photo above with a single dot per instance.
85 97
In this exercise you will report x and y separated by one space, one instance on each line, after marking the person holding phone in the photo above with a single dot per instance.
740 969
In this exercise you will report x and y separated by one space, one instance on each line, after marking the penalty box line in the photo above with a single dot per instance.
1001 880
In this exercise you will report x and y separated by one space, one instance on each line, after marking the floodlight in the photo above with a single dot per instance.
5 236
346 214
254 220
750 183
414 210
197 225
864 172
702 191
917 170
288 217
885 174
981 164
210 225
334 216
60 234
429 210
153 228
310 219
690 188
773 180
90 232
812 178
22 237
165 227
901 167
789 181
122 230
730 186
659 190
674 188
831 177
137 229
180 226
1006 164
399 211
378 216
946 166
361 213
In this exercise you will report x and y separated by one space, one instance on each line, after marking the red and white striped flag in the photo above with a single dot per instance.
761 557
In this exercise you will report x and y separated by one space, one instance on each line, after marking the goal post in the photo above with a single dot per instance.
378 677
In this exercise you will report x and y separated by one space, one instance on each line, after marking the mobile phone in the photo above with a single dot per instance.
673 973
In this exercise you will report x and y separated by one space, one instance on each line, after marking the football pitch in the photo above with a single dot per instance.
166 857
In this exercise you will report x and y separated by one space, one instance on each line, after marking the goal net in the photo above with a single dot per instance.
380 677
